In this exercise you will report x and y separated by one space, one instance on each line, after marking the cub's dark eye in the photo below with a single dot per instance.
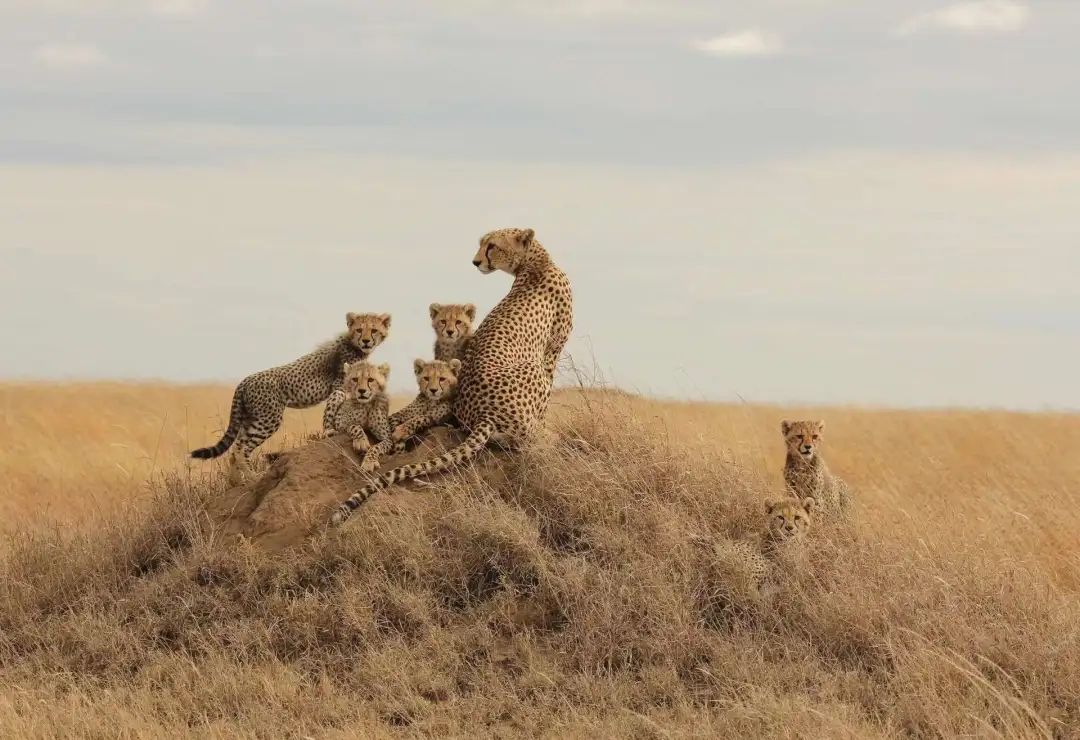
460 323
816 437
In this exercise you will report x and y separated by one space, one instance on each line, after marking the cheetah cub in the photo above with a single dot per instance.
757 559
366 410
786 523
261 398
805 472
453 329
433 405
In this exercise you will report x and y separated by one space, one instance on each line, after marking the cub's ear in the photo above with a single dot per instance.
434 309
821 426
385 370
785 427
527 236
350 318
384 318
809 503
455 365
470 311
770 506
418 366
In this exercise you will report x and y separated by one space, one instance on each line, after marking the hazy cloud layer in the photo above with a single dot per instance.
880 194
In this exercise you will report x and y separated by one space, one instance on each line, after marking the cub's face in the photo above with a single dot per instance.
452 321
367 330
435 378
503 250
364 381
803 437
789 519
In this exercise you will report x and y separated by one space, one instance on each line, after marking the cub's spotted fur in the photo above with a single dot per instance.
436 381
453 329
805 472
366 410
260 400
506 381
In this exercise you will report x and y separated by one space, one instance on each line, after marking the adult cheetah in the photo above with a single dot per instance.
453 329
506 383
805 471
260 399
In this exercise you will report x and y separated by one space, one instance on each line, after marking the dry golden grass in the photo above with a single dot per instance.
572 600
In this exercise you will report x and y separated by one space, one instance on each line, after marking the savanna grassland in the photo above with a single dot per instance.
587 592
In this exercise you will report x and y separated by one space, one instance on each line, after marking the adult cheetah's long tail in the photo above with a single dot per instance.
464 452
235 418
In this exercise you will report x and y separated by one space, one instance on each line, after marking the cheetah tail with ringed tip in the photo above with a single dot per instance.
205 453
460 454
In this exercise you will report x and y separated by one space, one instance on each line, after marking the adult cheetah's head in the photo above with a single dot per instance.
803 437
452 321
504 249
367 330
435 378
789 518
364 381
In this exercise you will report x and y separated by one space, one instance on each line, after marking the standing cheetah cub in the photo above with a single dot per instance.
260 399
453 329
805 472
366 410
433 405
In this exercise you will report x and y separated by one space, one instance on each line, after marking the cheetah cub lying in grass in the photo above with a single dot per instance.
453 329
805 472
786 523
433 405
261 398
366 410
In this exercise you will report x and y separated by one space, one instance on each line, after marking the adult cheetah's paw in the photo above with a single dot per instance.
400 432
318 434
369 464
360 444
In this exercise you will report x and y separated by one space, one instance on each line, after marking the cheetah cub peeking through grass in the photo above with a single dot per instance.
436 381
366 410
453 329
260 399
787 521
805 472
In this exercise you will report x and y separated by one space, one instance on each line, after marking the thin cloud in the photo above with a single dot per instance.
975 17
178 7
748 43
69 56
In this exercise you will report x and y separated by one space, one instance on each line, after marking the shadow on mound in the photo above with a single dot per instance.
295 496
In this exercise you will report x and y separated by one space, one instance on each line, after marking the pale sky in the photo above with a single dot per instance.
786 200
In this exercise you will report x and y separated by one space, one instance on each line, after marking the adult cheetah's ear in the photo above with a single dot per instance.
455 365
345 368
418 366
384 319
385 370
785 427
527 236
809 503
434 309
470 311
349 319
